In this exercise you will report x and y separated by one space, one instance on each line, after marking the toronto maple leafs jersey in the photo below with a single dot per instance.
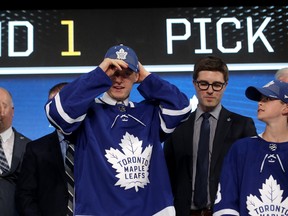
254 179
119 163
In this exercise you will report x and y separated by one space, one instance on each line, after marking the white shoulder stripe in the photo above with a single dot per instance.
63 114
176 112
163 126
52 121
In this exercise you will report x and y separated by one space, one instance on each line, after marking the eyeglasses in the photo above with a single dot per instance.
216 86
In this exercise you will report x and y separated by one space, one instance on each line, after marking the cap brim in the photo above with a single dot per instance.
132 67
255 94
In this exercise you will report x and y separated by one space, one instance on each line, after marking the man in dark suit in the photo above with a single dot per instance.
210 79
42 185
13 144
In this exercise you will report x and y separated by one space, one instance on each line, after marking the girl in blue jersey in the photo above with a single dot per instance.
119 163
254 178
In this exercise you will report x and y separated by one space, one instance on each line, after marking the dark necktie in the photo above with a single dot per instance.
69 161
201 179
4 166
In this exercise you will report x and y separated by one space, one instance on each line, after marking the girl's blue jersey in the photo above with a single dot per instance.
254 179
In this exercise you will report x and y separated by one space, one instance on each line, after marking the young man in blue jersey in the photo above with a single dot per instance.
119 162
254 175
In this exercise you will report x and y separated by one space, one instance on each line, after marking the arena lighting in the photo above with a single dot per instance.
151 68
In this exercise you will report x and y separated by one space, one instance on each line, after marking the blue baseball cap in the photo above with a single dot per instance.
274 89
124 53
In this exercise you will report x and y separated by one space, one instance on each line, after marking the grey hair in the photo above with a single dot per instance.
283 72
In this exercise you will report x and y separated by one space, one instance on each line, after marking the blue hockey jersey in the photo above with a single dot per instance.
119 163
254 179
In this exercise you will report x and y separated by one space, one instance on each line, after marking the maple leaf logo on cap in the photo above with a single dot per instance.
121 54
124 53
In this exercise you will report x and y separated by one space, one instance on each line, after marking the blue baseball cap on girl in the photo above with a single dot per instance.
274 89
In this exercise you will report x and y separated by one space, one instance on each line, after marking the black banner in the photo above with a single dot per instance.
160 36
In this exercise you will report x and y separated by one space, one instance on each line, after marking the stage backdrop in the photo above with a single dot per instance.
39 48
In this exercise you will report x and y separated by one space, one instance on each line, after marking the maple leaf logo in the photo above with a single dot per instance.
271 200
132 165
121 54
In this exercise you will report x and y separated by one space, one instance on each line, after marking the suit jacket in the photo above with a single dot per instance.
9 179
42 186
178 151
